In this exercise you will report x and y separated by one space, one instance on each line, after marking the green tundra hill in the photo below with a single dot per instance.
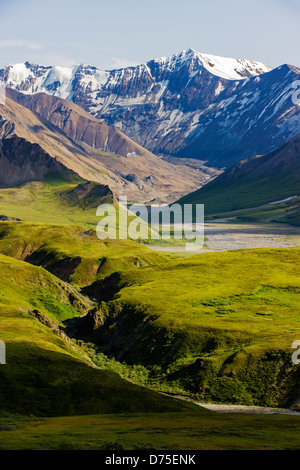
46 374
99 327
73 253
212 330
55 202
195 324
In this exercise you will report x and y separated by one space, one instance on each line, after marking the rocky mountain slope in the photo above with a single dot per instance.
260 116
191 104
71 136
78 124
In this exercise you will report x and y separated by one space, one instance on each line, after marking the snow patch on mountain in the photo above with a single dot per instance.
232 69
18 74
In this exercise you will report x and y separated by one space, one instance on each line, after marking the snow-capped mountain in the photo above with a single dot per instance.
260 115
216 109
59 80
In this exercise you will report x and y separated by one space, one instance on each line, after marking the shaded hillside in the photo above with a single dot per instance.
21 161
47 374
253 182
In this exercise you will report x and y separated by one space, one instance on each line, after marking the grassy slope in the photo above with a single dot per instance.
42 203
199 315
287 212
219 197
221 323
54 202
71 252
193 312
165 431
199 288
45 374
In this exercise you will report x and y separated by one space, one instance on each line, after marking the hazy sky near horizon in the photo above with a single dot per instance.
113 34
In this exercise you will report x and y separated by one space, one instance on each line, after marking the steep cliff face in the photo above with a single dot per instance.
21 161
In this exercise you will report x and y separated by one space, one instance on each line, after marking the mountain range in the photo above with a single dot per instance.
214 109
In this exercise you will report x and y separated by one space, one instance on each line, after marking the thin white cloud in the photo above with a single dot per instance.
117 63
20 43
45 58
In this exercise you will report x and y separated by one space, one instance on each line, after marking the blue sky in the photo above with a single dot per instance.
112 34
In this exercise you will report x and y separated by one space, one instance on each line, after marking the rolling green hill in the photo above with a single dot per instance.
207 336
73 253
52 202
46 374
212 330
215 326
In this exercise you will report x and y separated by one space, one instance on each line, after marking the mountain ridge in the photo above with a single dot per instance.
188 105
143 176
229 68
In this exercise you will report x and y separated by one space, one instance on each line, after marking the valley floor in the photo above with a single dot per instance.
223 236
261 410
222 408
157 431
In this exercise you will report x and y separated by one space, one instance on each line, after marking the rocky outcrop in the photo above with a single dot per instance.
89 194
4 218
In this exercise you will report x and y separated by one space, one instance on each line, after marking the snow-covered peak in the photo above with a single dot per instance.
233 69
19 73
60 81
224 67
